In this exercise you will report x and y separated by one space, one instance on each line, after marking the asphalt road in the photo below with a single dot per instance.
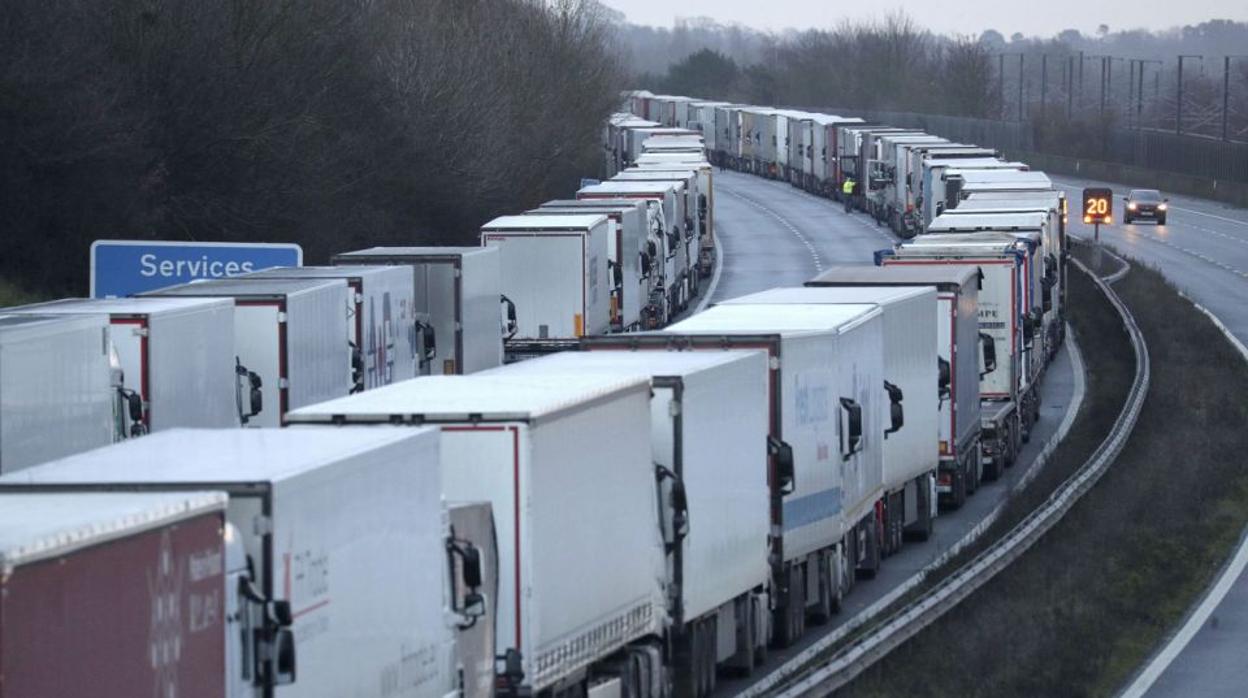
772 234
1202 249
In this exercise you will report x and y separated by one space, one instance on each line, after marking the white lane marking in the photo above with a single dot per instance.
1213 598
1175 208
1153 237
814 253
710 288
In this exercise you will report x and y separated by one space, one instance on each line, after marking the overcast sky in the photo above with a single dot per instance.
1032 17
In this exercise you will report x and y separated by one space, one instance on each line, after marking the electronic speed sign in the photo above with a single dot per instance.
1098 205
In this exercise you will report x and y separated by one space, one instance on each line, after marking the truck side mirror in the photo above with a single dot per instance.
990 353
702 206
944 376
895 411
284 658
1046 285
471 566
786 476
429 338
357 368
247 383
617 273
645 265
1029 327
853 419
511 326
652 249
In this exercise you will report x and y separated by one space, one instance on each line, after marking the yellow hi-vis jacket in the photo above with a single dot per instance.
848 187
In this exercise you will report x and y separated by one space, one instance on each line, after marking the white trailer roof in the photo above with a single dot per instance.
212 456
868 275
415 252
972 176
120 306
784 320
339 272
245 287
982 221
20 326
545 222
37 526
814 295
983 242
624 187
964 164
622 363
478 396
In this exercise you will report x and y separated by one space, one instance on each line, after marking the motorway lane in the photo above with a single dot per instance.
1202 249
772 234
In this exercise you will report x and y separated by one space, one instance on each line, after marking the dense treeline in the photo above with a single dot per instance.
330 123
891 64
1075 87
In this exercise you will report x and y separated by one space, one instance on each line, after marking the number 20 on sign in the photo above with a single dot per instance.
1098 205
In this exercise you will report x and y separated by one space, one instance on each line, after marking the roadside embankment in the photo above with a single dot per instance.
1087 604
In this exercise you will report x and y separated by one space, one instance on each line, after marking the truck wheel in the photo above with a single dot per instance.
959 487
869 566
822 611
687 661
974 474
743 660
710 643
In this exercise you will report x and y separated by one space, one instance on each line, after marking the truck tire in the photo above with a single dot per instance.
789 617
869 566
744 660
958 496
821 612
973 475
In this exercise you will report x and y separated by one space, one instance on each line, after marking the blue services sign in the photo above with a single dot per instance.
126 267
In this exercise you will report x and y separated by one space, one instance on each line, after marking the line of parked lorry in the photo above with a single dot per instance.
412 510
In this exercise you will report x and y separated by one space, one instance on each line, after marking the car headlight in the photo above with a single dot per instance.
1161 207
1131 206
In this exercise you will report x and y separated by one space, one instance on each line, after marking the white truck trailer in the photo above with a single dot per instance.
457 295
387 341
85 583
1008 402
472 528
336 557
938 196
909 396
290 333
1053 205
176 354
959 356
825 473
626 243
693 224
709 423
667 259
56 388
1045 268
706 200
566 466
555 269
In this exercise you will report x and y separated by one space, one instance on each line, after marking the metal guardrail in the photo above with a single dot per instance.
856 657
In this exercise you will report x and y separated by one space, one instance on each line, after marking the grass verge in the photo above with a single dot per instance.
1080 611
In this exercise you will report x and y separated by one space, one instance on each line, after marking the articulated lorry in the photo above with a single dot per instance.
1008 392
566 466
626 243
708 416
290 333
113 595
336 558
58 394
959 358
911 389
463 315
176 357
825 465
555 269
388 343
